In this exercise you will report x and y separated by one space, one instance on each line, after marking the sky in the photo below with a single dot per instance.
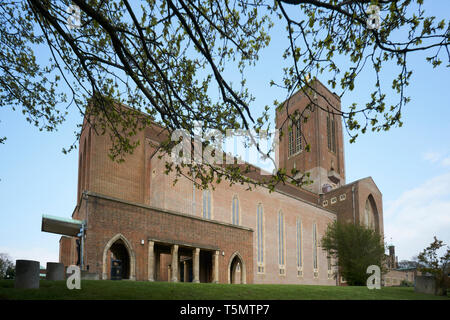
410 165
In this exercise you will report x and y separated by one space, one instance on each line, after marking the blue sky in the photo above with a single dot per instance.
410 165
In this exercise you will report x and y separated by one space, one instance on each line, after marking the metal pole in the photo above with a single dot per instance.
82 247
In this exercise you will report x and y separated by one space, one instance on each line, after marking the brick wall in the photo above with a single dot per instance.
349 202
108 217
179 198
395 277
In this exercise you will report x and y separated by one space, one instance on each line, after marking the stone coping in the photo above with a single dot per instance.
140 205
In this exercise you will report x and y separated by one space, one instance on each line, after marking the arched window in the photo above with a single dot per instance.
331 133
328 132
298 136
330 270
291 140
368 215
294 137
83 165
235 211
299 248
80 169
206 204
260 237
281 241
315 262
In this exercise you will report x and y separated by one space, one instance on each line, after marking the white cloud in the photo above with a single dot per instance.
433 157
417 215
41 254
437 157
446 162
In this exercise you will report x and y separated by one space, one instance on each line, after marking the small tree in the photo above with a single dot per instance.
355 247
438 267
7 270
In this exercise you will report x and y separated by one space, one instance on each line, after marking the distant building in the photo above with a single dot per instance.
132 212
396 275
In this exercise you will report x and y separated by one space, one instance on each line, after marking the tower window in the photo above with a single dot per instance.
331 133
328 132
291 141
294 137
298 136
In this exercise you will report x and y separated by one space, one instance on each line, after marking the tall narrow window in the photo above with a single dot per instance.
328 132
298 136
83 178
206 204
333 135
281 241
260 240
294 137
315 265
291 138
235 209
80 169
368 215
299 248
330 270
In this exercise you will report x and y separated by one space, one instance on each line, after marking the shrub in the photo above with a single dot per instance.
406 283
355 247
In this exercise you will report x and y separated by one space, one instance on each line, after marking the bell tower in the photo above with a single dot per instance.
322 131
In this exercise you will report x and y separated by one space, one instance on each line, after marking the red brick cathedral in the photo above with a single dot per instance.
131 222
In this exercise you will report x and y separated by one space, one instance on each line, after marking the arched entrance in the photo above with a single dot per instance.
119 248
236 269
119 252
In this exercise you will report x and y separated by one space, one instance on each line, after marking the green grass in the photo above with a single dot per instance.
162 290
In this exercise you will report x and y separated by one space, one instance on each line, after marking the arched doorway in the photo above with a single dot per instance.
119 252
119 248
236 269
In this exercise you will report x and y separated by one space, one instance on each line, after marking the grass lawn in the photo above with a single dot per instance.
91 289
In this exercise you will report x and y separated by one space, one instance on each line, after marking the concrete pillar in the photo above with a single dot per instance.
55 271
186 273
27 274
151 261
157 265
169 273
215 265
196 265
174 263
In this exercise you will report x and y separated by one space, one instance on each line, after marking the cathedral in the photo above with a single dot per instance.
132 222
